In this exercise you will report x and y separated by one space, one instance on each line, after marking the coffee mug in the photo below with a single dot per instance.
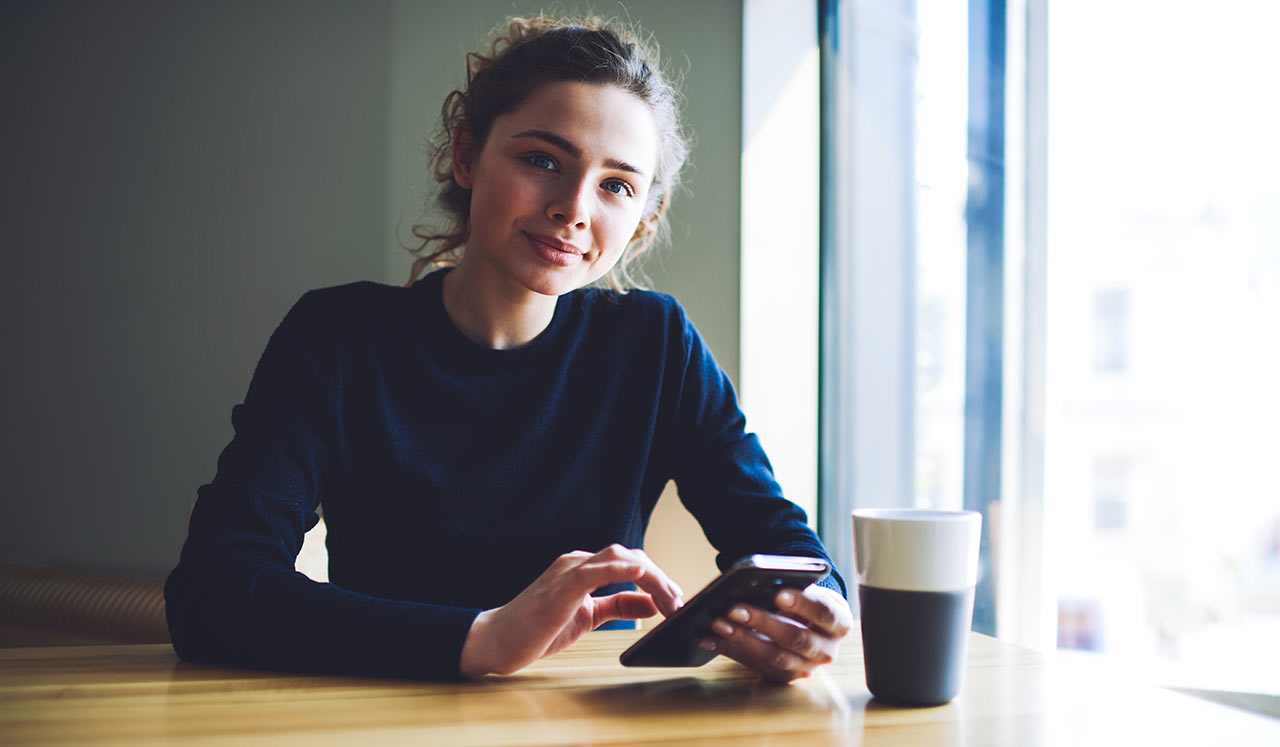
917 569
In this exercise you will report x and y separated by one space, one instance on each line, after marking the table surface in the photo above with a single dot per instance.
141 695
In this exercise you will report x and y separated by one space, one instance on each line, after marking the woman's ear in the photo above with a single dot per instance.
463 152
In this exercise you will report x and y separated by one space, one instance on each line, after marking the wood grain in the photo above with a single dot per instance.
143 695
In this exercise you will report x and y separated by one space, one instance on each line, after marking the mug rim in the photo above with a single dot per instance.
913 514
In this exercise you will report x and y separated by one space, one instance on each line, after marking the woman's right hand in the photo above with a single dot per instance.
557 609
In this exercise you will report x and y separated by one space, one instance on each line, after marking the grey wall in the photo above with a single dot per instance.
180 172
176 174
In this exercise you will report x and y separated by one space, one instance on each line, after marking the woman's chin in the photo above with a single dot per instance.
558 282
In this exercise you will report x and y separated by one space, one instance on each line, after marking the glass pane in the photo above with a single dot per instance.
1164 337
942 175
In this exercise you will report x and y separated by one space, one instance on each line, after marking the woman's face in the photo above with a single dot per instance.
559 186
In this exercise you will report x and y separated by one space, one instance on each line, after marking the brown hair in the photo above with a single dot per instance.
543 50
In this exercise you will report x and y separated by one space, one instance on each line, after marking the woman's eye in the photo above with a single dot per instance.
619 188
541 161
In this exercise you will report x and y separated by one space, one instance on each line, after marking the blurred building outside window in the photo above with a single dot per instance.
1163 408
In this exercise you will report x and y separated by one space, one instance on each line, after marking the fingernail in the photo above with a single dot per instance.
707 645
740 614
722 627
786 598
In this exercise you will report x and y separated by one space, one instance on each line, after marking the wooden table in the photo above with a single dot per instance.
141 695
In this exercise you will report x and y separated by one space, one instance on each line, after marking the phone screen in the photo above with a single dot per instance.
755 580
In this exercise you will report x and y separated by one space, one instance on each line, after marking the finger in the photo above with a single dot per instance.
626 605
749 658
819 607
568 560
761 654
652 571
788 634
594 573
666 593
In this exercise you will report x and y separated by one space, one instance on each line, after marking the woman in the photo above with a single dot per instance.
488 443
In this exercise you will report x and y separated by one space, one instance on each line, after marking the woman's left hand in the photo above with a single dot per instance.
788 644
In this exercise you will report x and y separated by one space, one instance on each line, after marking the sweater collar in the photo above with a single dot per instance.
430 291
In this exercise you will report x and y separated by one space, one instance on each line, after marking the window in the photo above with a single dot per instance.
1051 291
1164 316
912 265
1111 493
1111 330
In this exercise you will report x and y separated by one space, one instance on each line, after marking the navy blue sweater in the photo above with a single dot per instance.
451 474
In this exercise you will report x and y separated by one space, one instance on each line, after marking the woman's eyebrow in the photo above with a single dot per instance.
569 147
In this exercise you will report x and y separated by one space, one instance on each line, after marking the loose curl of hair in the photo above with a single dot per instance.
531 52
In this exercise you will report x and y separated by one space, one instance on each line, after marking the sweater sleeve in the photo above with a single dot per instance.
723 475
234 598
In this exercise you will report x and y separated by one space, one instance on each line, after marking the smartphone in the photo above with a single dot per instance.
755 580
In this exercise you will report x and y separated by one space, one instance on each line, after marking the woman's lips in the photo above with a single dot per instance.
554 250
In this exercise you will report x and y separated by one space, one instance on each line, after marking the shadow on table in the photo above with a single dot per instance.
696 694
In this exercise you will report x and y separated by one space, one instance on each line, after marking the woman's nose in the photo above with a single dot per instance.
569 207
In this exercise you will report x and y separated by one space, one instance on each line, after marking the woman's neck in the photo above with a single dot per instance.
492 309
